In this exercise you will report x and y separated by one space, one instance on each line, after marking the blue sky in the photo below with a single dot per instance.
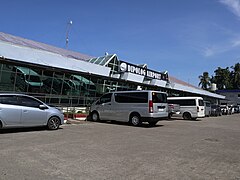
185 37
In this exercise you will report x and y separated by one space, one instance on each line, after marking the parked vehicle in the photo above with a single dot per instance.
207 107
236 109
131 106
216 110
18 110
231 109
173 109
224 109
190 107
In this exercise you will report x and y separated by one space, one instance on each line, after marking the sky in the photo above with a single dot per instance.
186 37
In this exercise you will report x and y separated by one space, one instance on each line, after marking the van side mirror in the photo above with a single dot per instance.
42 107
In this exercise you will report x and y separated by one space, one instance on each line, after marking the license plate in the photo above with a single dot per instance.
161 108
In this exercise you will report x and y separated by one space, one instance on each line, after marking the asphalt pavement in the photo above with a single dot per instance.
175 149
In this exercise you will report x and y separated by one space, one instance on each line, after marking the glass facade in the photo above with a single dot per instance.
67 88
56 86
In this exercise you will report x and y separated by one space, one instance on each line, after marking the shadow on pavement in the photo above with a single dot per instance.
181 119
20 130
144 125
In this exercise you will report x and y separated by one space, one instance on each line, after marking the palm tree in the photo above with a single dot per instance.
204 80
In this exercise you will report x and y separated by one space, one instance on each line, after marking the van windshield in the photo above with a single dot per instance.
159 97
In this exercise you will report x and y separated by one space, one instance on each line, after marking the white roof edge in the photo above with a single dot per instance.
197 91
42 57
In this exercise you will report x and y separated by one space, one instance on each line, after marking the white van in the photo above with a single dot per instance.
131 106
190 107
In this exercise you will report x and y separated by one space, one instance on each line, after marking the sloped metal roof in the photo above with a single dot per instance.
27 51
183 86
41 46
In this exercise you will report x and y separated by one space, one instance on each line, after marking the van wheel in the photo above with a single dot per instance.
53 123
1 125
95 116
187 116
135 119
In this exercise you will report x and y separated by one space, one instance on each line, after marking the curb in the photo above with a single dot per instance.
75 121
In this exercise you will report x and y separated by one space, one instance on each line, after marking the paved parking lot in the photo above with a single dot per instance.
175 149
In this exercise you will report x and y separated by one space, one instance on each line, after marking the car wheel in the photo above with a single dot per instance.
95 116
53 123
135 119
187 116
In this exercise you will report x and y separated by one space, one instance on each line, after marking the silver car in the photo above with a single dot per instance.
18 110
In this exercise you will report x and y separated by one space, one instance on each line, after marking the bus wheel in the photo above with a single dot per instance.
187 116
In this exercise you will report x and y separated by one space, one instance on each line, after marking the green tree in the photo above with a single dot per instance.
223 78
204 81
236 76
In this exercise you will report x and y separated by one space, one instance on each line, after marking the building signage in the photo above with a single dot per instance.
127 67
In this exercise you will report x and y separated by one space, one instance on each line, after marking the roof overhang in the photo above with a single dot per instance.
45 58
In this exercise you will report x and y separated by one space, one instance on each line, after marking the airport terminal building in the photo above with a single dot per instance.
71 79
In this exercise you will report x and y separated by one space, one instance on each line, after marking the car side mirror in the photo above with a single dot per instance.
42 107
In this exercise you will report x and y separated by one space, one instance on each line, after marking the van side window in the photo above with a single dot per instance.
105 98
139 97
185 102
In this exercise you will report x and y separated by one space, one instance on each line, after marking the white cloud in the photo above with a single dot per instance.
207 52
233 5
236 43
220 48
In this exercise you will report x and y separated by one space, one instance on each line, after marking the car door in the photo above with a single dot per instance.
31 113
10 112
